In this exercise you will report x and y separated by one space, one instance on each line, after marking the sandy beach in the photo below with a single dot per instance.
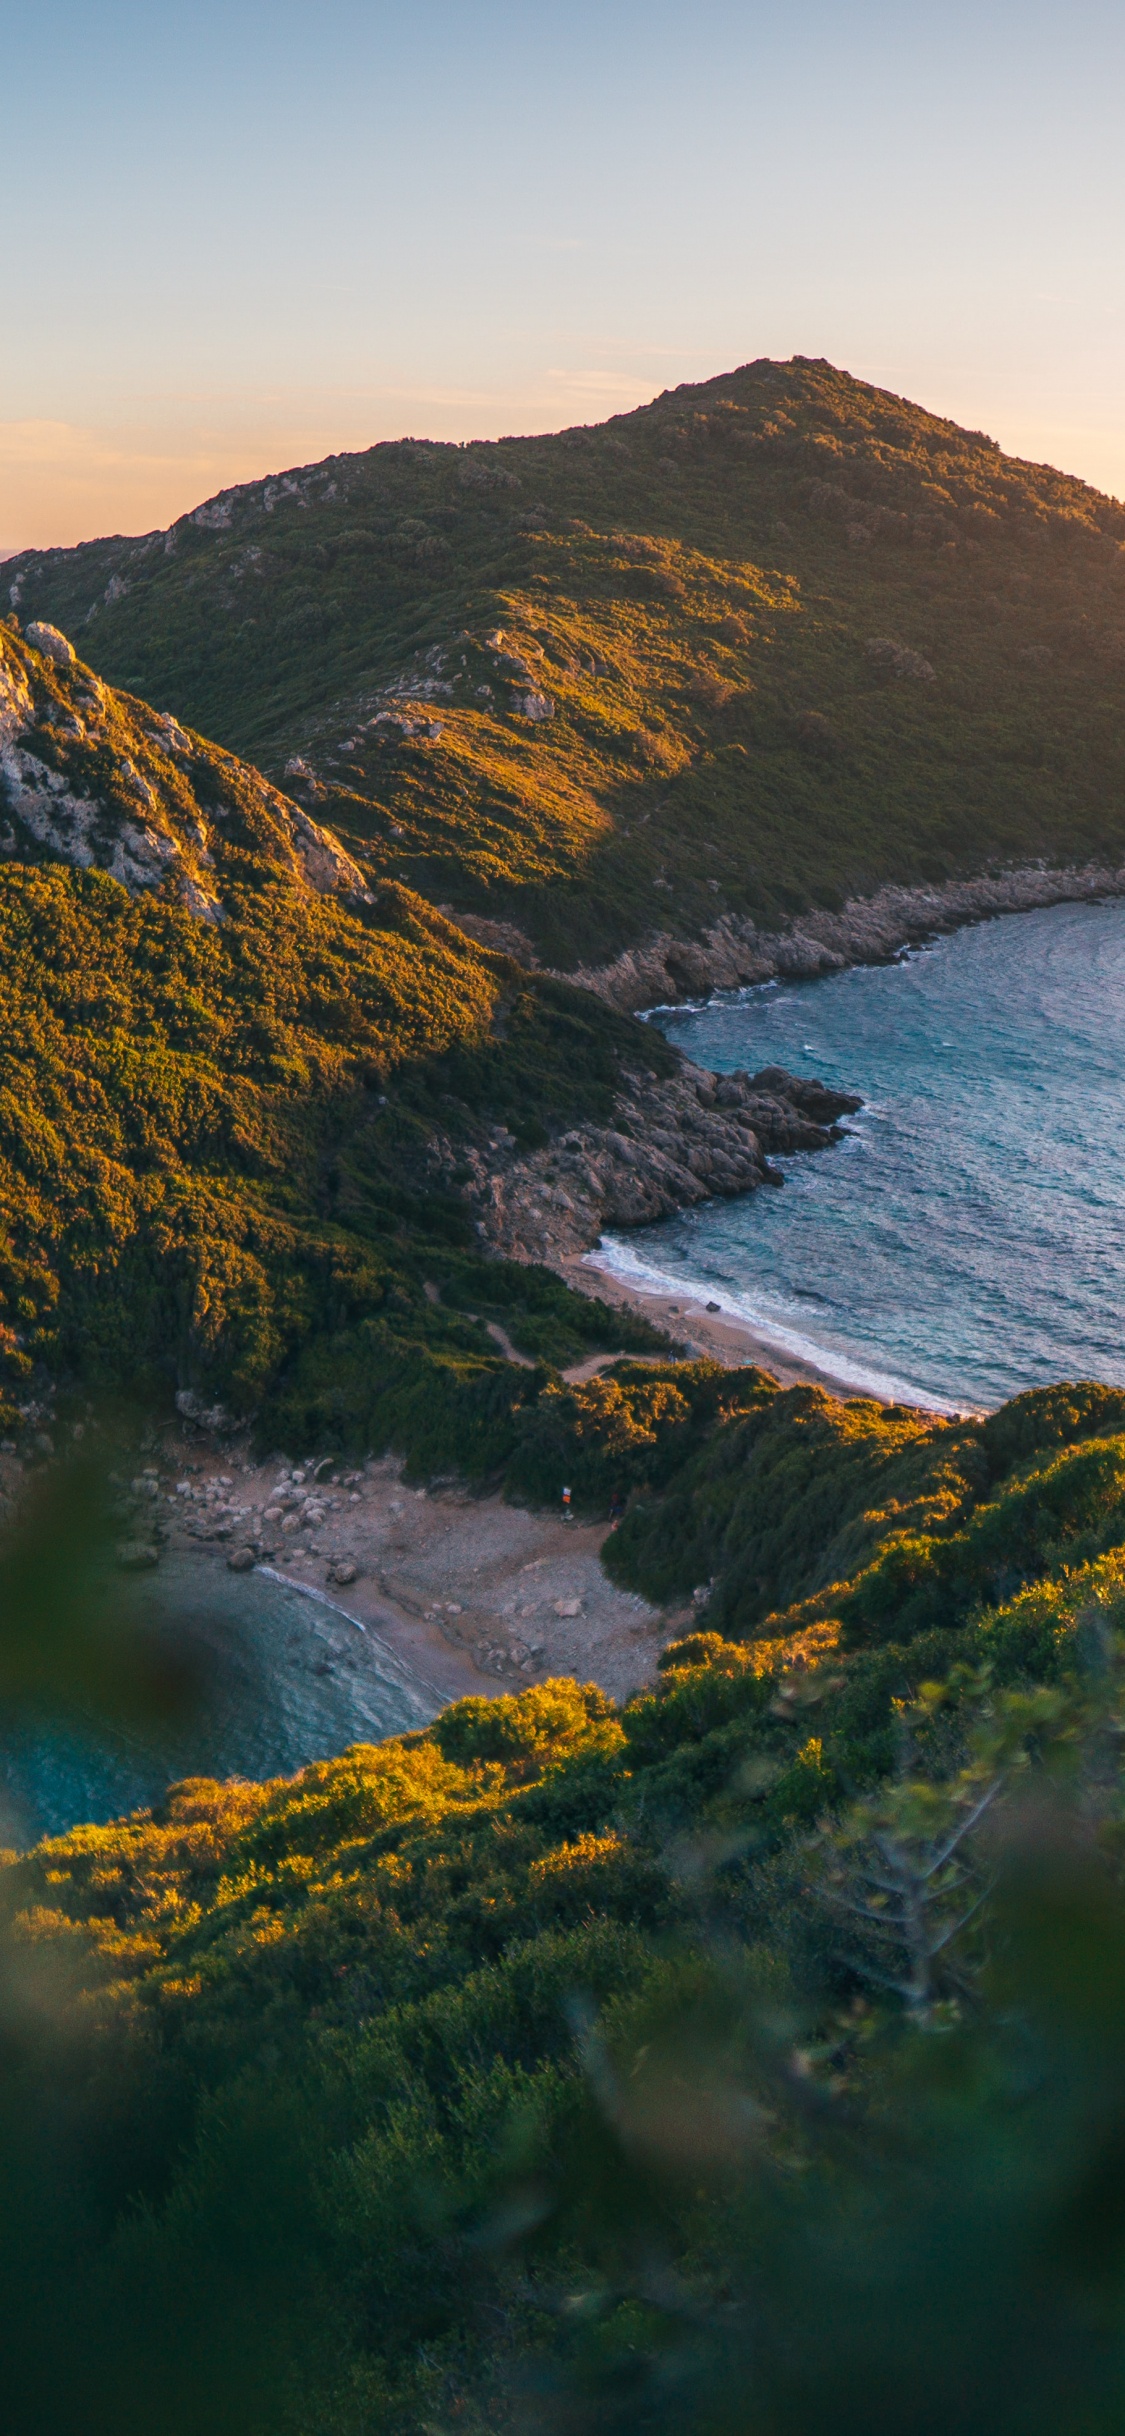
719 1336
469 1594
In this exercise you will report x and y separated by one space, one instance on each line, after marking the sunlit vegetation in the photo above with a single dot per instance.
216 1134
748 2057
798 636
544 2066
214 1148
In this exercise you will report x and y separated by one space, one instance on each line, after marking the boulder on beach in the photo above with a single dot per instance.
136 1555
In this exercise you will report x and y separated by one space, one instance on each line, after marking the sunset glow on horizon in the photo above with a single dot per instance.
263 237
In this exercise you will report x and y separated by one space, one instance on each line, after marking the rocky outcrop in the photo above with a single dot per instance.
52 644
896 660
868 930
96 779
672 1143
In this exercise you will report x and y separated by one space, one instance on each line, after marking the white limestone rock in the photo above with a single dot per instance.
51 643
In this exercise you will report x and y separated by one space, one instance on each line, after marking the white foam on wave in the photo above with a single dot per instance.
617 1259
402 1678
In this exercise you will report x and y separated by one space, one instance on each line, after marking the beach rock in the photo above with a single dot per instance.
205 1416
343 1571
241 1560
136 1555
814 1099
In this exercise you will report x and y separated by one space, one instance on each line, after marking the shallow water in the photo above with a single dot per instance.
968 1239
283 1679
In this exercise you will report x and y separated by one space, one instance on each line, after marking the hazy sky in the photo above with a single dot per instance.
241 233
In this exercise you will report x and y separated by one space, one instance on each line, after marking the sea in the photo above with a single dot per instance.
280 1677
966 1240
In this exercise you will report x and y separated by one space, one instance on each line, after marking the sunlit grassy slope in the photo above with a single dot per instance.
214 1124
469 2080
629 669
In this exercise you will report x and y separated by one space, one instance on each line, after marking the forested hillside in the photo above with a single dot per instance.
761 645
749 2058
746 2060
225 1059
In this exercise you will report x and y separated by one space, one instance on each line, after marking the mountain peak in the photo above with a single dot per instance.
766 643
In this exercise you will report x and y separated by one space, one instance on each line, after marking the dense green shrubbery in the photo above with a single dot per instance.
748 2058
213 1165
536 2070
796 1506
1071 1505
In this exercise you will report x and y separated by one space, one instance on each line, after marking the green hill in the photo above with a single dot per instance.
746 2058
225 1056
763 644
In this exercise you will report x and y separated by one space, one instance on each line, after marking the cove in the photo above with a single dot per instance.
281 1679
967 1240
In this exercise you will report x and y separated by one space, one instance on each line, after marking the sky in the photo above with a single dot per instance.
242 234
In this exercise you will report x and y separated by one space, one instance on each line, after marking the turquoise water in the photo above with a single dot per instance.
968 1239
282 1679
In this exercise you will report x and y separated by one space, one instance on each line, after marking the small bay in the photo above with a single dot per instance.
281 1678
967 1240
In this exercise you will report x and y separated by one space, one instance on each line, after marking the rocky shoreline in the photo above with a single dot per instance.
672 1143
676 1142
868 930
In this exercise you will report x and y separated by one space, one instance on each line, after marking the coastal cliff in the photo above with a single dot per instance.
673 1141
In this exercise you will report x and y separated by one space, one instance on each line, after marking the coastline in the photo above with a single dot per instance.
405 1676
445 1593
737 955
731 1337
413 1548
868 931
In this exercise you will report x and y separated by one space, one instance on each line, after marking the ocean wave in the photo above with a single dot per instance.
617 1259
391 1669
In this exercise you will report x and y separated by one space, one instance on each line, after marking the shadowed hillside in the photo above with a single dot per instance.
764 644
